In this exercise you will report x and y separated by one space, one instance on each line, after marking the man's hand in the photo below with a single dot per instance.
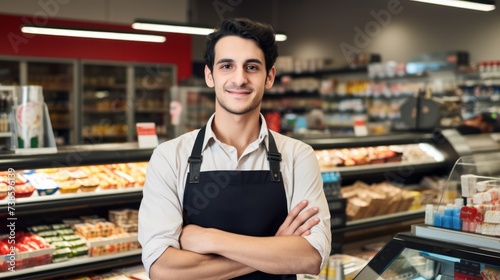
297 222
194 238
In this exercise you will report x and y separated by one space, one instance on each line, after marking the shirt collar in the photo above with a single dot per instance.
210 136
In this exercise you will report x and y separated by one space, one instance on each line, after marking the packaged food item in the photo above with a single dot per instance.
69 187
24 190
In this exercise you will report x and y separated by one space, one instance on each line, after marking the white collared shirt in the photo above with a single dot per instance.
160 213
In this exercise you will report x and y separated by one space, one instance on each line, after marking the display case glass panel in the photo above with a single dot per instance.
9 73
152 96
412 257
57 84
104 105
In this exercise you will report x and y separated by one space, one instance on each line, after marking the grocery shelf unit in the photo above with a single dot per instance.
479 94
299 90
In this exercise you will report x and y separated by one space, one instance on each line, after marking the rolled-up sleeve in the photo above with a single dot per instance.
160 212
304 181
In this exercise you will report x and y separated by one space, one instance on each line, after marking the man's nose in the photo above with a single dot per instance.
240 77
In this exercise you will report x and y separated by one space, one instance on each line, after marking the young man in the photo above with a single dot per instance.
233 199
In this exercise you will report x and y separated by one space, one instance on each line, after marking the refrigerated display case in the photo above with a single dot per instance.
46 207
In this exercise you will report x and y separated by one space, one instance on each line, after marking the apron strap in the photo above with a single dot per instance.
274 158
195 159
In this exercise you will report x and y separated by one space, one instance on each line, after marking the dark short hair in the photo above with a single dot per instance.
261 33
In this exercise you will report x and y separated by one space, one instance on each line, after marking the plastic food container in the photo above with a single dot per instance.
44 192
24 190
69 187
4 190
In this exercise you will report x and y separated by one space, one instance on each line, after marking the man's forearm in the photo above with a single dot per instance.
275 255
180 264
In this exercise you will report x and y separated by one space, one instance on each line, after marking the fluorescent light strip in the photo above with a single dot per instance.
93 34
461 4
183 29
172 28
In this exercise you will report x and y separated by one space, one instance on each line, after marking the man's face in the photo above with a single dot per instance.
239 75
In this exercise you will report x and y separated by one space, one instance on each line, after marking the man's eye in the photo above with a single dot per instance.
252 68
225 66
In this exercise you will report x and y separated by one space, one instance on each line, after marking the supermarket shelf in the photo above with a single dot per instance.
381 220
5 134
367 141
326 72
53 203
159 110
75 266
111 110
77 156
391 171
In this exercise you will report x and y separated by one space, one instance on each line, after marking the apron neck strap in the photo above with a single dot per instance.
196 158
274 158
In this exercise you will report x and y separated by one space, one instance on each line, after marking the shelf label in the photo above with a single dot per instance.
146 135
360 128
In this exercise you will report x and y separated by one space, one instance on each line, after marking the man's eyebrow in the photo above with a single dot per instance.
229 60
224 60
254 60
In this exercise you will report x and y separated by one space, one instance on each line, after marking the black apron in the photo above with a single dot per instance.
243 202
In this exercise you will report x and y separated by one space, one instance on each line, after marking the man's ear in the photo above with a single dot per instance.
209 78
270 78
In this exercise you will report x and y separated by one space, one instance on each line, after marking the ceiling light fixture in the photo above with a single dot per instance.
479 5
160 26
96 34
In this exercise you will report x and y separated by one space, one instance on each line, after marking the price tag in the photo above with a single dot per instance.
146 135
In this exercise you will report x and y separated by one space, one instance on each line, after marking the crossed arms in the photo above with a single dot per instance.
208 253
